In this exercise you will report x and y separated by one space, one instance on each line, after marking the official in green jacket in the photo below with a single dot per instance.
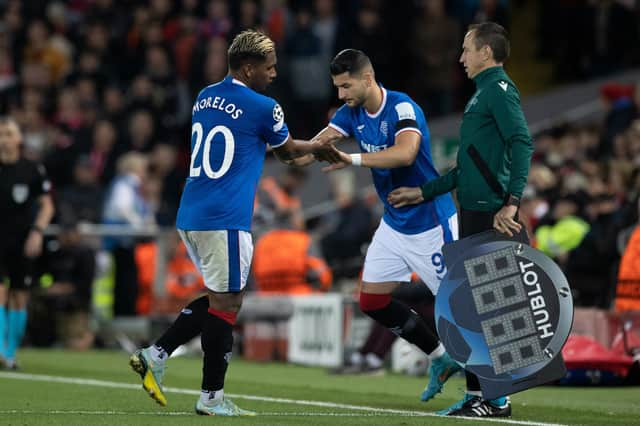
492 167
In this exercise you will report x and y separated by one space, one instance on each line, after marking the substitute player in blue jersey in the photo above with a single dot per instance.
232 124
394 141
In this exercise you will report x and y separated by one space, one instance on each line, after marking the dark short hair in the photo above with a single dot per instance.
492 35
352 61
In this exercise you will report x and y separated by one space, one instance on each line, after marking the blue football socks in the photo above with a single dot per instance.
3 331
17 324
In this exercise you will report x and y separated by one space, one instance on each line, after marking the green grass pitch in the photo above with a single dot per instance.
97 388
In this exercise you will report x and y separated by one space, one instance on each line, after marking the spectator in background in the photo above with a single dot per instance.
183 282
327 26
277 205
563 229
209 64
82 199
113 105
8 76
306 64
622 109
433 52
491 11
134 42
185 45
248 17
168 95
275 16
70 265
627 293
35 133
349 228
372 35
611 36
592 265
141 131
54 53
163 166
286 261
104 151
124 205
217 22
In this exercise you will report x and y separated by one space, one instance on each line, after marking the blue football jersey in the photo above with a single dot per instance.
231 126
375 132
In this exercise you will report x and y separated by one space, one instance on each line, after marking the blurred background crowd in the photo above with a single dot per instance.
103 90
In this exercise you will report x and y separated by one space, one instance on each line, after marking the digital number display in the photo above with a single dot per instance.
496 284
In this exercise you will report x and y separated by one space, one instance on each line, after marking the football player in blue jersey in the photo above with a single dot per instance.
392 132
232 124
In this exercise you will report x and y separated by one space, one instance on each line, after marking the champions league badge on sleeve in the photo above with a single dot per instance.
503 311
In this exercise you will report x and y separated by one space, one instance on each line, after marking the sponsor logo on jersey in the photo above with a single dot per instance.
372 148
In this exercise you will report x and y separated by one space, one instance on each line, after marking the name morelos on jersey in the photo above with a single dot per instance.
231 127
376 132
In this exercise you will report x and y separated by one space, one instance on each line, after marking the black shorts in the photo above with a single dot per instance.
16 269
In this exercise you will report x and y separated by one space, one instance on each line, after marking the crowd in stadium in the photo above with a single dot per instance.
103 89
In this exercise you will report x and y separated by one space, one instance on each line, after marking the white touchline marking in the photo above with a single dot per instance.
191 413
372 411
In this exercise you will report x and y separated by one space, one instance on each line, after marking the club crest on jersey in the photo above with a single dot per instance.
20 192
384 128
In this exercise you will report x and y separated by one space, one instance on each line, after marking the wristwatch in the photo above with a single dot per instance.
513 201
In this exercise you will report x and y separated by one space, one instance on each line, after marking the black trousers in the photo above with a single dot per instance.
474 222
125 292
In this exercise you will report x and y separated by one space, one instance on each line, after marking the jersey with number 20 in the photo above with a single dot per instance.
231 126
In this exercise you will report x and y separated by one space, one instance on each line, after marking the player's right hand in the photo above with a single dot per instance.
344 161
326 151
405 196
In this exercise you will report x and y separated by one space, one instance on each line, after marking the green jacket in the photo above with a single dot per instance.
495 147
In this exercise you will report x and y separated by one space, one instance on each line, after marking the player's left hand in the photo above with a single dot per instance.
33 245
405 196
503 221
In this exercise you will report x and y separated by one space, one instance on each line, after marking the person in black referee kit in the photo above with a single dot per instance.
491 172
26 208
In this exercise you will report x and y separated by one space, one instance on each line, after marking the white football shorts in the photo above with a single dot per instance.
222 257
392 256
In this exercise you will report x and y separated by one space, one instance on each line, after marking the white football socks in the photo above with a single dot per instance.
437 352
158 355
211 398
